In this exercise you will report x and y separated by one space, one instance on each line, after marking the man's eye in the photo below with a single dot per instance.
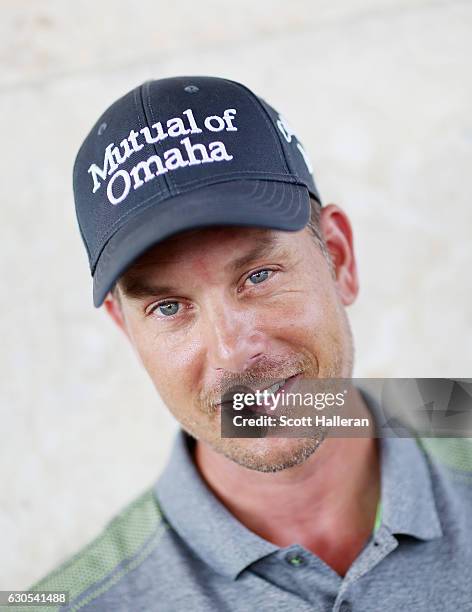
167 309
259 277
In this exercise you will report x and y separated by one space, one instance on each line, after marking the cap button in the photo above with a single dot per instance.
191 88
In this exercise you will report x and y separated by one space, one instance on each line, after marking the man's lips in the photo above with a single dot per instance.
266 408
288 384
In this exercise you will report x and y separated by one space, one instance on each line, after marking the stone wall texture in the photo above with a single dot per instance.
379 92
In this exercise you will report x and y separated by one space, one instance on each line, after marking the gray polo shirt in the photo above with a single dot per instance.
178 548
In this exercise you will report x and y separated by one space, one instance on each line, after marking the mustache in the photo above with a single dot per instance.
266 372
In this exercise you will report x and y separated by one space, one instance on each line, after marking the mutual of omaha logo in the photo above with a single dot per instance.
192 154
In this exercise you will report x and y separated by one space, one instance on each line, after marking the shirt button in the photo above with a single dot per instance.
294 559
345 607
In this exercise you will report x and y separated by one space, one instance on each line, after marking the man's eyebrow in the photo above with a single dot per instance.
136 288
265 246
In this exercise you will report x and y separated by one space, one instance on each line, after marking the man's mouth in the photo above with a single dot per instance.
268 393
272 392
275 387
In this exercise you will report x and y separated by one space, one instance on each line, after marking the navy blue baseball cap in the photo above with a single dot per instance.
183 153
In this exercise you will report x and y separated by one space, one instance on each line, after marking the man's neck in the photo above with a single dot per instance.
327 504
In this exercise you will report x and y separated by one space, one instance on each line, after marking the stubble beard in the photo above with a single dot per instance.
272 455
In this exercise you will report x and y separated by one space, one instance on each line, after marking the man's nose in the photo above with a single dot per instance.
233 338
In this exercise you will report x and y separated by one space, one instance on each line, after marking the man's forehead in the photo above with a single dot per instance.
229 241
235 247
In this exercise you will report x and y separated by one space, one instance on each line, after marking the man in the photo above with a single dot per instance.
210 249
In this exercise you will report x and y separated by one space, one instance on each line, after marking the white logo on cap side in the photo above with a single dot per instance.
288 134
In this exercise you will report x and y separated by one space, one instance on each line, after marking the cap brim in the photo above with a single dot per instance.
255 203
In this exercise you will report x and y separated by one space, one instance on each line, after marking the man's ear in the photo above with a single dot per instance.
113 308
337 232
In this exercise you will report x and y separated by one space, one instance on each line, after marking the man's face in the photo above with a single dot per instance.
214 308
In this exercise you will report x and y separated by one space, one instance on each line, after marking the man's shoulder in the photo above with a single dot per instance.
453 454
126 541
450 461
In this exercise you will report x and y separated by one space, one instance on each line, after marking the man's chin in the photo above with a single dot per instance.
268 454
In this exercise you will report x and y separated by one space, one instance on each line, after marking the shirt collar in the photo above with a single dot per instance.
221 541
408 503
201 520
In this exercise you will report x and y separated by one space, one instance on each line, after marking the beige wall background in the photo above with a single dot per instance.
379 92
